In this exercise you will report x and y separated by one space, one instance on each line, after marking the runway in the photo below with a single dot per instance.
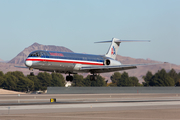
90 106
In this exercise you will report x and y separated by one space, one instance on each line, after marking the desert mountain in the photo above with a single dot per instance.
139 72
19 59
1 60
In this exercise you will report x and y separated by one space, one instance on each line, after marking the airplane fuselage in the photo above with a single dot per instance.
62 62
72 63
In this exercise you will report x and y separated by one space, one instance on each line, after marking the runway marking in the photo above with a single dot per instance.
86 117
119 94
89 105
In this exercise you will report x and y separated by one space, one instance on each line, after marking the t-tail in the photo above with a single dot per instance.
115 43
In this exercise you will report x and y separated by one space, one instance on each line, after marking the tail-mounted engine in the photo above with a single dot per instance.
111 62
107 62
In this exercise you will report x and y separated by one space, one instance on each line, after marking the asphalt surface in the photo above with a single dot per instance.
90 106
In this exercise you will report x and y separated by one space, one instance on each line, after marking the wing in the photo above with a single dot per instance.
103 69
21 66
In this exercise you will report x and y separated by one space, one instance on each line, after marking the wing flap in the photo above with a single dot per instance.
102 69
106 67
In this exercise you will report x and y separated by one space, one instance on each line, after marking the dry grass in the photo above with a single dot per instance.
3 91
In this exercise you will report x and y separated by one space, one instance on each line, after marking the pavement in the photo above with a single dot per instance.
90 106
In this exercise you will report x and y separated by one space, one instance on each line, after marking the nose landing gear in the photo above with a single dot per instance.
31 73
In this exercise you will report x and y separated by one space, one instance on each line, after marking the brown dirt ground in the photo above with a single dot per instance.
3 91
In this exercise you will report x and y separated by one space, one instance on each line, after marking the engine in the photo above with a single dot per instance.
111 62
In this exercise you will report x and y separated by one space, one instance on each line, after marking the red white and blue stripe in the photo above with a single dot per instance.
88 62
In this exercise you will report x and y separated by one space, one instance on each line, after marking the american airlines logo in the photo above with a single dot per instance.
56 54
113 51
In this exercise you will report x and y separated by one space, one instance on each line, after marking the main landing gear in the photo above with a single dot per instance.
93 77
31 73
69 78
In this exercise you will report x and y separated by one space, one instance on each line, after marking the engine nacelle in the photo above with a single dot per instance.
111 62
107 62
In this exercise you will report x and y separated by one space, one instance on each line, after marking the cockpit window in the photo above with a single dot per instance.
42 54
36 54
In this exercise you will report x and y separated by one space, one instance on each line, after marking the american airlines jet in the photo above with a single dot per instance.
73 63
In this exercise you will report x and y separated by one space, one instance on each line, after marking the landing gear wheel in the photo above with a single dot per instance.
31 73
69 78
93 77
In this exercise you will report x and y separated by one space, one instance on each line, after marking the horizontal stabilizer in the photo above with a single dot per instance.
103 41
119 41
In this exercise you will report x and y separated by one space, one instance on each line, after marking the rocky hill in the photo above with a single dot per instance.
19 59
1 60
139 72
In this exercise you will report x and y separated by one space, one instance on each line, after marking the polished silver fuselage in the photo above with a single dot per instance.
63 62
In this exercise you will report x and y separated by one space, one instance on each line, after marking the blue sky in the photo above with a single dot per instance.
77 24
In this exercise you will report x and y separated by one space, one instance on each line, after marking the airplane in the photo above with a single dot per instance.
73 63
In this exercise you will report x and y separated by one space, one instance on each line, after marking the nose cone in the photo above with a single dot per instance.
28 63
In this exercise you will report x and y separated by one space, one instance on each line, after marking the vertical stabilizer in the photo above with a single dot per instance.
115 43
112 52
